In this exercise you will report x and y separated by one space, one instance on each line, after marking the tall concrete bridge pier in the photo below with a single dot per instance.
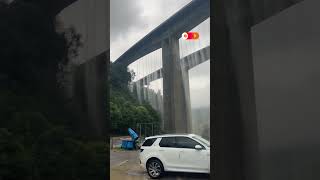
176 96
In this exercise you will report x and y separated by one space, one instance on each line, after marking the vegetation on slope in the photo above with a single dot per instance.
125 110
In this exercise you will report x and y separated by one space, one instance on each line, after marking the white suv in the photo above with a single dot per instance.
175 152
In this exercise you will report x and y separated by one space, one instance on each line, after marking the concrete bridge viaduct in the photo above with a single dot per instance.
176 97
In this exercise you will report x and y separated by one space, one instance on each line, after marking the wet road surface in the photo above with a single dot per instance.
124 165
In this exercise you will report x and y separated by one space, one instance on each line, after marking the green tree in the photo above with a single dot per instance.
119 76
95 164
142 115
29 125
123 102
13 158
115 115
155 116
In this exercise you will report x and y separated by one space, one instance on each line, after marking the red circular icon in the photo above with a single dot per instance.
190 35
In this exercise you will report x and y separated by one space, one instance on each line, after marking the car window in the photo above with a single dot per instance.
202 140
149 142
167 142
185 142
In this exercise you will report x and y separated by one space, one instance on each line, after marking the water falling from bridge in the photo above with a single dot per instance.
147 84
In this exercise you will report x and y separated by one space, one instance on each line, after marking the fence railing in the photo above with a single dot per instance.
148 129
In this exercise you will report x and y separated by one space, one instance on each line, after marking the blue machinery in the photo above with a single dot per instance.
130 143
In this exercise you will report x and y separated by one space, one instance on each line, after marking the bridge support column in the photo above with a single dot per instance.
176 97
146 89
141 91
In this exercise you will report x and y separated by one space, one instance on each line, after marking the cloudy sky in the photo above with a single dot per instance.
132 20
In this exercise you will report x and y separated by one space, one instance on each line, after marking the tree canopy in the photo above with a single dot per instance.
125 110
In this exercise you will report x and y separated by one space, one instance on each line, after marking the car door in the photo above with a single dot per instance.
191 159
169 154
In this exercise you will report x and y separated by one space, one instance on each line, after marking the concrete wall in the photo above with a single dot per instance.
234 121
89 98
287 75
86 77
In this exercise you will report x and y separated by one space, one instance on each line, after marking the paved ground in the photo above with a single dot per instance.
118 157
124 165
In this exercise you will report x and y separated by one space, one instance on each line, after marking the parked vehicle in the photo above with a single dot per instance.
175 152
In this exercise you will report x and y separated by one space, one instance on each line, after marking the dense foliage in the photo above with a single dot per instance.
125 110
37 140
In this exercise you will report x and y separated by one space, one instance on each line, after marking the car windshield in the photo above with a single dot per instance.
204 141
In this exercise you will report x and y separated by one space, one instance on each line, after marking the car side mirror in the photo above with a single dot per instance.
198 147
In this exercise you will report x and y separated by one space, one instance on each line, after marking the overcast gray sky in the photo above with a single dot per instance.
131 20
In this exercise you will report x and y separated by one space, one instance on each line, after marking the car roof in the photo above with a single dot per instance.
170 135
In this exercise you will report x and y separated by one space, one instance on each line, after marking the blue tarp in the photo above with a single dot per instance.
127 143
133 134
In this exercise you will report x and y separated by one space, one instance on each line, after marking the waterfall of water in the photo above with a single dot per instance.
200 117
147 85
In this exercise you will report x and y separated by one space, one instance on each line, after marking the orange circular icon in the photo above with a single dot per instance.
195 35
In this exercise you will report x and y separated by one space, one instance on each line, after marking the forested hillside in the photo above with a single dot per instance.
125 110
